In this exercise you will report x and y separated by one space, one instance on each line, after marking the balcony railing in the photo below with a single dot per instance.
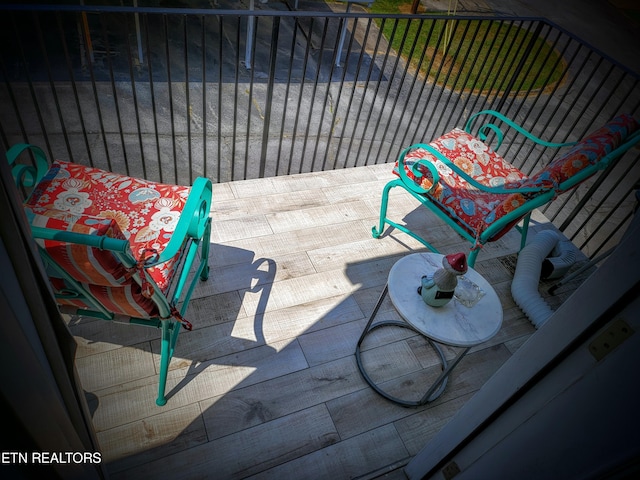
170 94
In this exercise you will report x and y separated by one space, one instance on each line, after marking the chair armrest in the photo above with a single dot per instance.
116 245
408 181
483 130
95 241
458 171
193 219
27 175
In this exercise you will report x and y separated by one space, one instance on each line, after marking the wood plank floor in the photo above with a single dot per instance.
266 385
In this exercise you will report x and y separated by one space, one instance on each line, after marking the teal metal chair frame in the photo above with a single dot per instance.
544 194
191 234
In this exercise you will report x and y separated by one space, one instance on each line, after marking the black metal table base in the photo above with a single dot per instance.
436 389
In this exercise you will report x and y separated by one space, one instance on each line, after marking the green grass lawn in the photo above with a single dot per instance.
496 48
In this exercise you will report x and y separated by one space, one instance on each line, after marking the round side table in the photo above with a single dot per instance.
472 317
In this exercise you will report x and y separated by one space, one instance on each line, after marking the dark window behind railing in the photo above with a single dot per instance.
167 94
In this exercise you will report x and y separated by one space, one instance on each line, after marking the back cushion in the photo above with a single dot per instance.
126 300
586 152
85 264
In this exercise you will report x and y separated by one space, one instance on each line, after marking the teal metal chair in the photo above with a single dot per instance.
482 196
116 247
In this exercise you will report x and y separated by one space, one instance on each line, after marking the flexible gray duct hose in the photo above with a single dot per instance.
524 287
563 256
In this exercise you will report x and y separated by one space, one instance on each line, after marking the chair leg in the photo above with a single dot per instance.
524 230
471 260
376 232
170 331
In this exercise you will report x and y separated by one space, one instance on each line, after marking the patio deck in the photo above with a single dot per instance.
266 385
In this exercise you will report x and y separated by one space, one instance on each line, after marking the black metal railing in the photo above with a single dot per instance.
170 94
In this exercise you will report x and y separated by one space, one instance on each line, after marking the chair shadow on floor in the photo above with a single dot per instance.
213 311
256 281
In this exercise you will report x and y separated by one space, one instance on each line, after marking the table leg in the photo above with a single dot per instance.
373 314
441 382
436 388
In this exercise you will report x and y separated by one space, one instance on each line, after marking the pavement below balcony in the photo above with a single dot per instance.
266 385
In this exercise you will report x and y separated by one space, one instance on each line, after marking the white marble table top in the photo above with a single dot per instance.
473 316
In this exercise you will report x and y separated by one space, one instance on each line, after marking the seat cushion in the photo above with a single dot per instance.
146 212
469 207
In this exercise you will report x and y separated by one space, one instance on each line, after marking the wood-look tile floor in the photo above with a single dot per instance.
266 385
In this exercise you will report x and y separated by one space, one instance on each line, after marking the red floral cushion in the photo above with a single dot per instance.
125 300
83 263
146 212
98 271
474 209
471 208
586 152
